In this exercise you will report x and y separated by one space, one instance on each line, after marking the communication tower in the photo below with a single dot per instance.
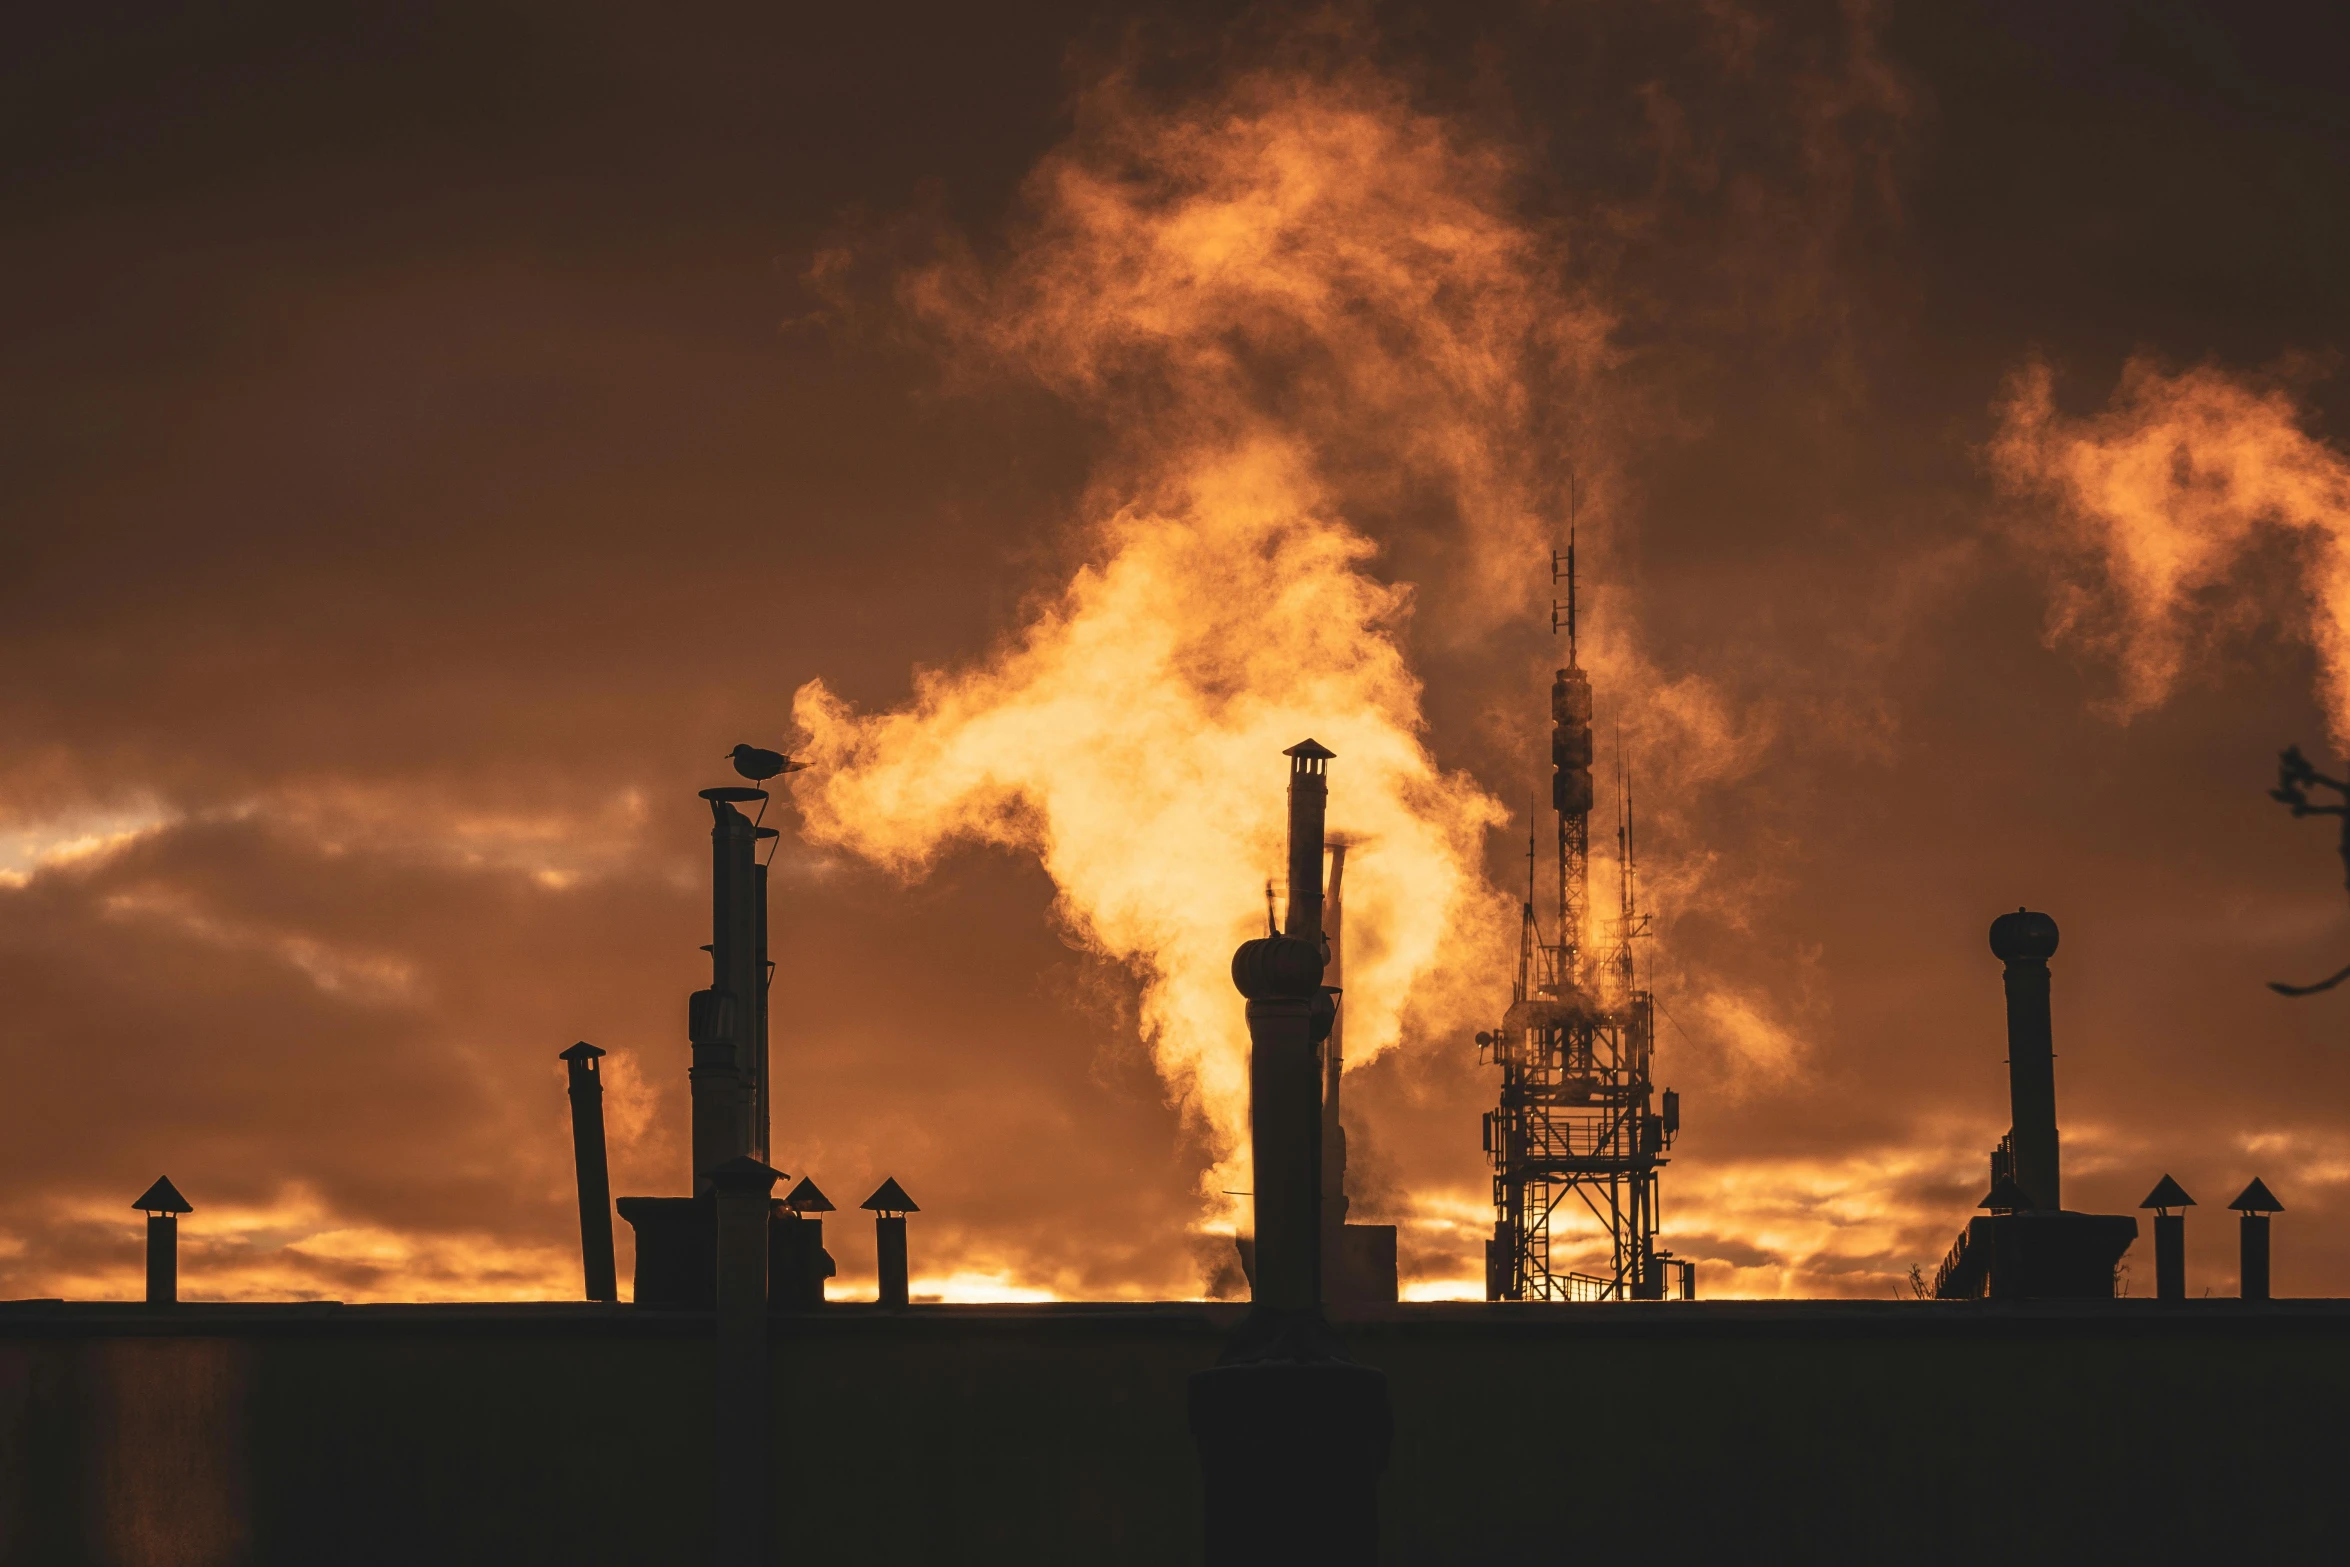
1580 1126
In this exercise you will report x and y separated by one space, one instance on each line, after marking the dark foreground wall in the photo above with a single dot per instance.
1830 1432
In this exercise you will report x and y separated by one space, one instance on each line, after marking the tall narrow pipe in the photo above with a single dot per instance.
763 977
1282 978
741 1471
724 1019
163 1258
1309 804
1334 1202
2170 1238
2025 941
1292 1433
2170 1256
595 1179
736 964
889 1258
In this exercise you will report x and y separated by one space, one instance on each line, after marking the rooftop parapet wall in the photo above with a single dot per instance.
2061 1431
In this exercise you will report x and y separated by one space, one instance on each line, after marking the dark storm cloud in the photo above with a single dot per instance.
419 465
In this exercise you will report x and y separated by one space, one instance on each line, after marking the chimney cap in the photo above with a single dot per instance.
163 1197
2257 1198
805 1198
583 1051
2005 1196
890 1198
742 1173
2024 936
1278 967
733 794
1311 750
2168 1194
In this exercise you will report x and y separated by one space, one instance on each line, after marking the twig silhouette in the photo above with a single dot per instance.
2295 778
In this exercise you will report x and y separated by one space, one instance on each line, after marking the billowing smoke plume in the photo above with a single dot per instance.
2163 499
1311 321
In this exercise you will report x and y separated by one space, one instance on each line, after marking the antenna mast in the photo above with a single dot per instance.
1577 1116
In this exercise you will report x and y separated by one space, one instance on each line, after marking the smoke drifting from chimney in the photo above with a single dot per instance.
1298 304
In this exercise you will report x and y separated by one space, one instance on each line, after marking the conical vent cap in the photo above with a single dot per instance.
890 1198
163 1197
2257 1198
805 1198
2168 1194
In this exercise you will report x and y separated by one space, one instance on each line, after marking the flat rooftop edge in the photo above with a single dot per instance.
1433 1320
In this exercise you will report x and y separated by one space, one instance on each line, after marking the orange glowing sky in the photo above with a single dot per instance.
433 439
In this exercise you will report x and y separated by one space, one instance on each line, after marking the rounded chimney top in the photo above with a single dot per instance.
1274 968
2023 937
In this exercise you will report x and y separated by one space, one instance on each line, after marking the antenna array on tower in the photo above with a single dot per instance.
1578 1130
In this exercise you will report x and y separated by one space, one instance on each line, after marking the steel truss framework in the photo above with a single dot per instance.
1578 1126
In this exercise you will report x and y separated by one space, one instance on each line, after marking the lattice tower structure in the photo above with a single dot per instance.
1579 1129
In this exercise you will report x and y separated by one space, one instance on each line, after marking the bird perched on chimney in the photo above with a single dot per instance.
759 766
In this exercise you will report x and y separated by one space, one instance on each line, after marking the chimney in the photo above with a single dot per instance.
2024 941
890 1205
595 1180
798 1264
1288 1012
1333 1133
2255 1203
1292 1433
741 1472
2170 1238
727 1022
163 1205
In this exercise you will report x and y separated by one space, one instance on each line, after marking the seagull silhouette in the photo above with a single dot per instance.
759 766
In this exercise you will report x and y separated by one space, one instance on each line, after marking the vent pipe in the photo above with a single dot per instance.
727 1022
889 1205
2255 1203
163 1205
1292 1433
1288 1014
1334 1203
2025 941
595 1178
2170 1238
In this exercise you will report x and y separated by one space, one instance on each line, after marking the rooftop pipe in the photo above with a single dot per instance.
2025 941
1292 1433
889 1206
2255 1203
728 1021
163 1205
595 1179
2170 1238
